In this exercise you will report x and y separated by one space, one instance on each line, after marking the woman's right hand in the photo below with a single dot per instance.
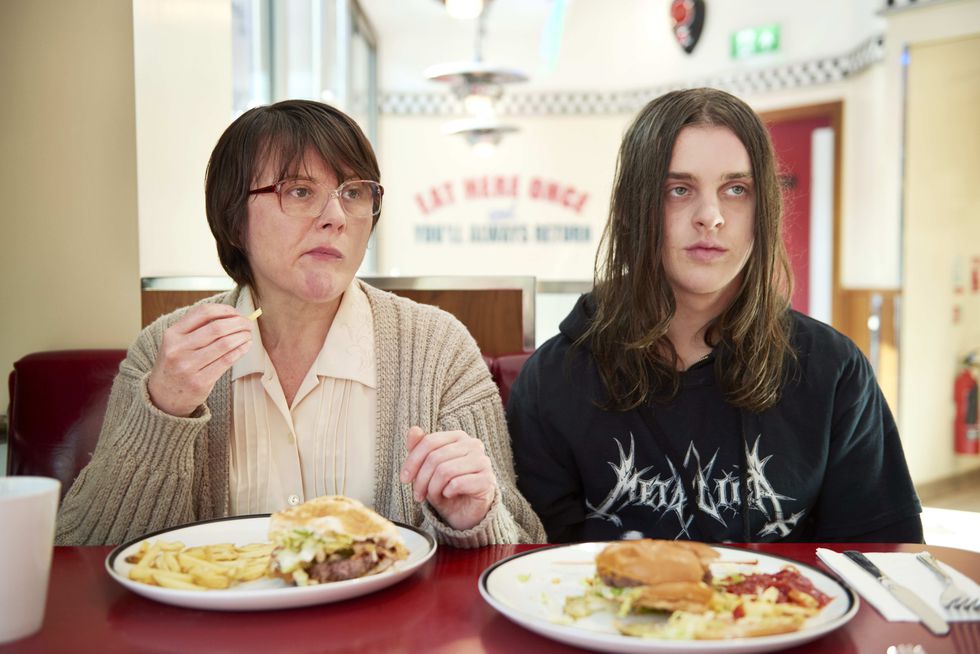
195 351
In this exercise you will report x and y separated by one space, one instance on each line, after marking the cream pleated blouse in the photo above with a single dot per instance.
324 444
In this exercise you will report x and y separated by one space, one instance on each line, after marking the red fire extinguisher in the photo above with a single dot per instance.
966 431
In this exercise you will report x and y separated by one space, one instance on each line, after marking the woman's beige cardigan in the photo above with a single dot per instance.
151 470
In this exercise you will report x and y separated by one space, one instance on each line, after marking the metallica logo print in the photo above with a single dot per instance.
718 492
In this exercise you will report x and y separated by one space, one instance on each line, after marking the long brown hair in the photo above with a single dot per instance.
634 300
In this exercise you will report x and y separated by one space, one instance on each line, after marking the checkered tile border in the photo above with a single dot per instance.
742 82
896 5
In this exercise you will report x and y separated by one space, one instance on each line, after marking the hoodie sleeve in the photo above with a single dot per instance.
546 471
865 463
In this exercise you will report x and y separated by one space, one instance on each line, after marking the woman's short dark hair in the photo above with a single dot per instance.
634 301
278 135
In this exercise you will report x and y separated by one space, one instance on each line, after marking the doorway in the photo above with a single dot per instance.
807 145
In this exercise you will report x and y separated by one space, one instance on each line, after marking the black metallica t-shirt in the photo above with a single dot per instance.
825 463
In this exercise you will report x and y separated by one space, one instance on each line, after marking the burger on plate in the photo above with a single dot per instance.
660 575
332 538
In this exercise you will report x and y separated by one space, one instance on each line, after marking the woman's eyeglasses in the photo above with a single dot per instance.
305 198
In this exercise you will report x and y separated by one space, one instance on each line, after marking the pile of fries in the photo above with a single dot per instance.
205 567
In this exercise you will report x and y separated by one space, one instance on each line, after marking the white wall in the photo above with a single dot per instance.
941 303
183 103
69 273
942 20
930 343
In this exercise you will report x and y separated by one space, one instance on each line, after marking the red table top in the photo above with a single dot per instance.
439 609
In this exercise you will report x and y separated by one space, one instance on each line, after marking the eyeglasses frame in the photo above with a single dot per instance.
335 193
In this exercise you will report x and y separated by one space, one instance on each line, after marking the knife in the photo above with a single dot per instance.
935 622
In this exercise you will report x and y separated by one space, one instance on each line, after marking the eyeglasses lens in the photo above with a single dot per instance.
303 198
358 199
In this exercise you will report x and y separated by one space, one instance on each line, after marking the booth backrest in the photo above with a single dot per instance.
498 311
504 370
57 403
58 400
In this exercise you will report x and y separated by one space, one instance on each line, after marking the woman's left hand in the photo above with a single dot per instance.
452 471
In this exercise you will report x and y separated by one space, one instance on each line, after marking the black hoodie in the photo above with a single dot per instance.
824 464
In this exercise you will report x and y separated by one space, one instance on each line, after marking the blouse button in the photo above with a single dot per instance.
293 500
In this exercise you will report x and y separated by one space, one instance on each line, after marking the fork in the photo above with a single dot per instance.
952 597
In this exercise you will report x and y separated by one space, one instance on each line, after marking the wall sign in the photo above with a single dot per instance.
500 221
688 20
537 208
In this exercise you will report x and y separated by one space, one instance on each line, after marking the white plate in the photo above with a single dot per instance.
530 588
263 593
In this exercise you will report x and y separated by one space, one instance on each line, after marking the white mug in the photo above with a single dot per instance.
28 506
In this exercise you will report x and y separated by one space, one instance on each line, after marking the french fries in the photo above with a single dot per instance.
170 564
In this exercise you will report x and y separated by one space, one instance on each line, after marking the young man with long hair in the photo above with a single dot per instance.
683 397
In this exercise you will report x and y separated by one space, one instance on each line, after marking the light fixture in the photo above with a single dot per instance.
483 134
479 105
478 86
464 9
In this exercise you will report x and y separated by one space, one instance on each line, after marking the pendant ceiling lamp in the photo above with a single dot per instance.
483 134
464 9
479 86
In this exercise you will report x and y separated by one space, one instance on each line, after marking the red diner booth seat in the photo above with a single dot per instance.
505 369
58 401
57 404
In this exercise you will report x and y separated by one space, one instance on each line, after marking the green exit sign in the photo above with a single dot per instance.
754 41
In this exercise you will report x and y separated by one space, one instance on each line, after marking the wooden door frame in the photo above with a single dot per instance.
834 112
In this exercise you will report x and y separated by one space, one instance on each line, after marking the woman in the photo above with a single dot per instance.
683 398
338 388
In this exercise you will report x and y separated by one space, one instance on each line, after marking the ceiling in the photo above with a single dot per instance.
415 34
604 44
428 17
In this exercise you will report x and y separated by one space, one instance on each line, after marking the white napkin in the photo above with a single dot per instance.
904 569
